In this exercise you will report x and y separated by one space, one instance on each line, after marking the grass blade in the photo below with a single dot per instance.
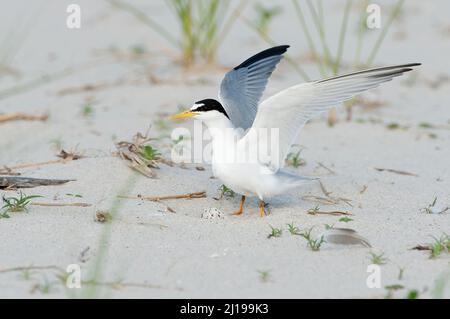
309 39
384 31
337 63
141 16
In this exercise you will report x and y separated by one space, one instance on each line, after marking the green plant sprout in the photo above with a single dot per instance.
431 208
391 289
226 191
293 158
440 245
293 229
345 219
264 17
276 232
264 275
149 153
378 259
17 204
313 243
203 25
314 211
87 111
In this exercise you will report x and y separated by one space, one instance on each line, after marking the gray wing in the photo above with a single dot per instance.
287 112
242 87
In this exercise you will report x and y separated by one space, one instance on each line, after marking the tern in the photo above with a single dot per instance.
237 119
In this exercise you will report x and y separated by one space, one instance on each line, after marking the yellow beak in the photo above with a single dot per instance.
183 115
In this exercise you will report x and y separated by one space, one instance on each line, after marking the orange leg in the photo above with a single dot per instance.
262 211
241 208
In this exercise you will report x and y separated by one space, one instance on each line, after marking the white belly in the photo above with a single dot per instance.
248 178
251 180
241 178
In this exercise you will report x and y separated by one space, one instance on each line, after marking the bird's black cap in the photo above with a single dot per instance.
210 105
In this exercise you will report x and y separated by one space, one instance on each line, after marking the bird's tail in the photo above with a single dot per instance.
294 179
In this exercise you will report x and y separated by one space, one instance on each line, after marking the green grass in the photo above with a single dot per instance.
313 243
264 17
74 195
180 139
226 191
378 259
4 215
87 111
13 38
393 126
313 27
202 25
16 204
345 219
149 153
57 143
264 275
26 274
440 245
293 230
431 208
425 125
275 232
315 210
391 289
412 294
293 159
44 286
440 285
401 272
97 268
162 125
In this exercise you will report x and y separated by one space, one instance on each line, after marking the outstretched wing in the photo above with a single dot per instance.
288 111
242 87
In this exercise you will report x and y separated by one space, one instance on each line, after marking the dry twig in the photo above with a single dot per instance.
26 182
395 171
140 155
21 117
64 156
332 213
170 197
326 168
328 199
62 204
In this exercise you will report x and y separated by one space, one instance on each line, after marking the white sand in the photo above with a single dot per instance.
193 257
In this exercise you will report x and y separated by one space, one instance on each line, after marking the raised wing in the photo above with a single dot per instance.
242 87
288 111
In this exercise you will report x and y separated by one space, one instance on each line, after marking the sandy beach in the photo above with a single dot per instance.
115 77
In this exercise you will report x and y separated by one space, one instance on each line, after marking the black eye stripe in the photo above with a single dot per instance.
210 105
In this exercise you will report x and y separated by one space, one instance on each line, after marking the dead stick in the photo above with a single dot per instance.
333 213
324 190
29 165
27 182
421 247
21 116
328 169
52 267
395 171
62 204
160 198
323 200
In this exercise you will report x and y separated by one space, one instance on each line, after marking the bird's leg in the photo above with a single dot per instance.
241 208
262 210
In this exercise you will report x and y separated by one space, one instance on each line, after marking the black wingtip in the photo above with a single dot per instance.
278 50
